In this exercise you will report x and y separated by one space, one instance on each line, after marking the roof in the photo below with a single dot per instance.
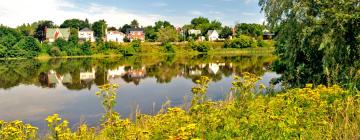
63 33
212 31
135 29
86 30
116 32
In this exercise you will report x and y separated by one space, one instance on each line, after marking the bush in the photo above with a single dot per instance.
28 47
55 51
241 42
200 46
169 48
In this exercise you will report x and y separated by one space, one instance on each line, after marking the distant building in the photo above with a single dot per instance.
53 34
86 34
115 36
194 32
267 35
213 35
136 34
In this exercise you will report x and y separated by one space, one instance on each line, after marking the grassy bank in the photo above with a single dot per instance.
307 113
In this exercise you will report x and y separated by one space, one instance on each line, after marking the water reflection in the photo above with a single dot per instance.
32 89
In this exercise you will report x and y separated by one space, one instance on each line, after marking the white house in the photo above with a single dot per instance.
194 32
213 35
120 71
86 35
115 36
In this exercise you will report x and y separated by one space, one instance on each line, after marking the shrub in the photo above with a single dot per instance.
28 47
241 42
200 46
55 51
169 48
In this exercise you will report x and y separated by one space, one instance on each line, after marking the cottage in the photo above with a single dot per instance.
267 35
115 36
86 35
53 34
194 32
136 34
213 35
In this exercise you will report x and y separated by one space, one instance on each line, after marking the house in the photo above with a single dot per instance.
118 72
194 32
136 34
53 34
213 35
86 35
115 36
267 35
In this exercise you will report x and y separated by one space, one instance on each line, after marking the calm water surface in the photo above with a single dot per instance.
30 90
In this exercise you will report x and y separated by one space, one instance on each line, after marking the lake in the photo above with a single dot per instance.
31 90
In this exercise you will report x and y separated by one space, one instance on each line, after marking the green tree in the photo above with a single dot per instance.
74 38
317 41
134 24
124 28
168 34
99 28
150 34
26 30
30 46
226 32
253 30
75 23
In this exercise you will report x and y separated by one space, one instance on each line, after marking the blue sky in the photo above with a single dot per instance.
119 12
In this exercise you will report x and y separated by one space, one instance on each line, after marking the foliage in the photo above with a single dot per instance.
55 51
99 28
30 46
124 28
241 42
302 113
134 24
26 29
169 48
76 24
226 32
317 41
200 46
253 30
167 34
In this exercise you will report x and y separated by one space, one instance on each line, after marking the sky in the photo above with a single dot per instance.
118 12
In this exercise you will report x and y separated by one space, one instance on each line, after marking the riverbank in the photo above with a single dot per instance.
216 51
301 113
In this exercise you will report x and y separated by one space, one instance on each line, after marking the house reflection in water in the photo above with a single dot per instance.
87 76
52 78
135 75
118 72
214 68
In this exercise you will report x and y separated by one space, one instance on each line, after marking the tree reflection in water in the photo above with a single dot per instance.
83 73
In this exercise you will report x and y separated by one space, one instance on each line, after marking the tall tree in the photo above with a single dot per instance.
317 41
26 29
249 29
99 28
124 28
75 23
226 32
168 34
150 34
135 24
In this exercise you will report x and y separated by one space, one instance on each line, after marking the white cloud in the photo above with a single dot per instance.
17 12
196 13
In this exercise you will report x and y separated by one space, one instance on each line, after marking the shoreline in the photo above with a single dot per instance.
222 51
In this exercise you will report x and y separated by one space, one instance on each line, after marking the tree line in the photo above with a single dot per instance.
29 40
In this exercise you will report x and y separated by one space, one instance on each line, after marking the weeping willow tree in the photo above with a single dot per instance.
317 40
